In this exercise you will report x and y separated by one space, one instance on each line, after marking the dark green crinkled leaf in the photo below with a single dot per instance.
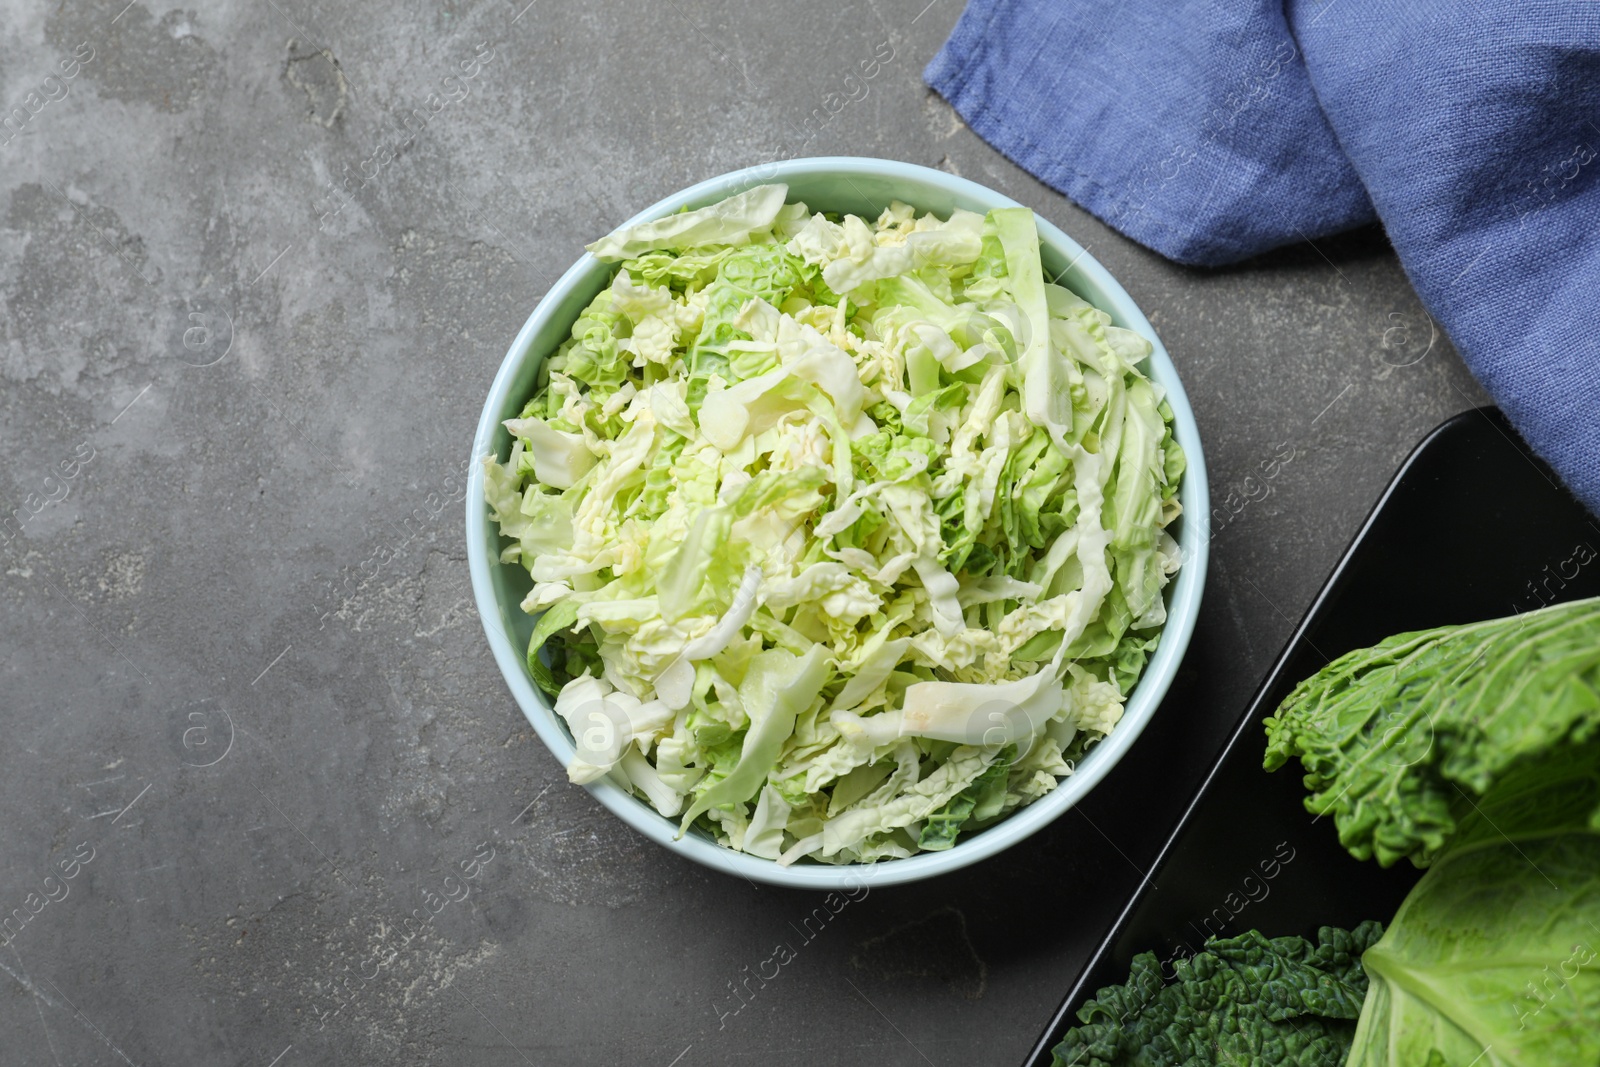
1246 1000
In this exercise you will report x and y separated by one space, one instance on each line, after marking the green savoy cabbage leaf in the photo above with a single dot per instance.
1491 961
1405 742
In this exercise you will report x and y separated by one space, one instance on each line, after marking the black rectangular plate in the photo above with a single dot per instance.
1473 527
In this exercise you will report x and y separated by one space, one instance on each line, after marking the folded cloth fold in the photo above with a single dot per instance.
1214 131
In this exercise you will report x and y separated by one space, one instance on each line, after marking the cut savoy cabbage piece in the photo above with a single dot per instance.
846 537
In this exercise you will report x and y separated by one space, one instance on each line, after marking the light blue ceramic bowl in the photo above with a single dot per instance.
863 187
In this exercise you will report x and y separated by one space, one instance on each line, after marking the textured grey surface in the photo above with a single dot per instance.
241 666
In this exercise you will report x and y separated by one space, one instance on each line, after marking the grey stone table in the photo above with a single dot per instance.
249 320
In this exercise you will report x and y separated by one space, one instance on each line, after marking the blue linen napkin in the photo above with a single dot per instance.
1213 131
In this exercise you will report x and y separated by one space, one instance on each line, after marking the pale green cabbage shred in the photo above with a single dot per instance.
849 535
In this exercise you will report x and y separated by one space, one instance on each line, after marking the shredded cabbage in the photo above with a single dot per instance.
846 537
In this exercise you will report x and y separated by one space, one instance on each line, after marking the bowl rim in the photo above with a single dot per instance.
1184 592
